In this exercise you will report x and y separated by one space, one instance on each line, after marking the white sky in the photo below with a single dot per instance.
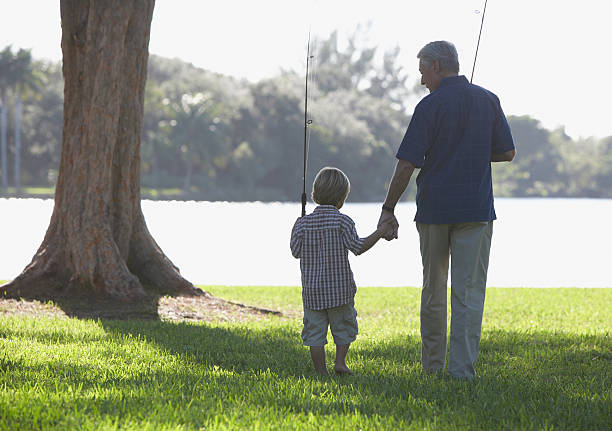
546 58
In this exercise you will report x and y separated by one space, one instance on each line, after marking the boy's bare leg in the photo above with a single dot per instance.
340 365
317 353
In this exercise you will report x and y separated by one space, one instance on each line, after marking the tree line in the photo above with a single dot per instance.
207 136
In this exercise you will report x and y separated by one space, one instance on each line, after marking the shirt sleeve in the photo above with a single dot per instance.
350 238
297 235
502 136
416 139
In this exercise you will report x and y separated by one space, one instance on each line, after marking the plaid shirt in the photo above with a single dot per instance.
321 241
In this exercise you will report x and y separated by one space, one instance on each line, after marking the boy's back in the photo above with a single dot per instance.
321 240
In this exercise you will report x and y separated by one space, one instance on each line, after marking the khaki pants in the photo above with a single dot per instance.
468 245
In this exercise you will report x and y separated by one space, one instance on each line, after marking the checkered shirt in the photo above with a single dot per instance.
321 240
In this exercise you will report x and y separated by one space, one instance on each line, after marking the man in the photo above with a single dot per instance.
454 134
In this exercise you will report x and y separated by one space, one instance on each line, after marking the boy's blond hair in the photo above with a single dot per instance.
330 187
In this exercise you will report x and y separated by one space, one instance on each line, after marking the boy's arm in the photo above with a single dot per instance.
379 233
296 239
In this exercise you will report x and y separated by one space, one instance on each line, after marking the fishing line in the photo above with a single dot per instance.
478 44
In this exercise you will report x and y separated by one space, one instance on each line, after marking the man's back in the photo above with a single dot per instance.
454 135
451 137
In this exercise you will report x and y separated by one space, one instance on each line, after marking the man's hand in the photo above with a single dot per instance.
388 218
388 231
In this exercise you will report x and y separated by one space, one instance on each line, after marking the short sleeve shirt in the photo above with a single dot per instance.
451 137
321 240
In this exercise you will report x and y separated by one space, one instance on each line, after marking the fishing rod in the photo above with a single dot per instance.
306 123
478 44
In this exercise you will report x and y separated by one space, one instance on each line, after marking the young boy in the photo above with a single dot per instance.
321 241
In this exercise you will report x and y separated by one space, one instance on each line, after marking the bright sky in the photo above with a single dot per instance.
547 58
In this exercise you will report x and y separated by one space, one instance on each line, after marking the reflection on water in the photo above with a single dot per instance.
536 242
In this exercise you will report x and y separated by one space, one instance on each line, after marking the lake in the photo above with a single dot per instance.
536 242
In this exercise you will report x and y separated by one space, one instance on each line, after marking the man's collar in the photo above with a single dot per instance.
453 80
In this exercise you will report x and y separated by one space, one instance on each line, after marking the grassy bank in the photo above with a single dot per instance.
145 193
545 363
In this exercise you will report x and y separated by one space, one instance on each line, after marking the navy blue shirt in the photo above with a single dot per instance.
451 136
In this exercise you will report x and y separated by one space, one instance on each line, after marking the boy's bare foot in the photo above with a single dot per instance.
323 372
342 370
340 363
317 353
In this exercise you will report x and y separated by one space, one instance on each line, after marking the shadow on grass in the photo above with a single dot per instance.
527 380
90 307
534 380
240 349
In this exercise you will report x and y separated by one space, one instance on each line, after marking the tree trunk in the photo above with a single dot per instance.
17 170
97 244
3 154
188 175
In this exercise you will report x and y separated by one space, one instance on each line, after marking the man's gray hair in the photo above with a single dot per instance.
443 51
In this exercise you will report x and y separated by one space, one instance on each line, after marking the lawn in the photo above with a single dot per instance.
43 192
545 363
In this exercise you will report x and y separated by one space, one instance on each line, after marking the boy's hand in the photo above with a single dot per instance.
388 231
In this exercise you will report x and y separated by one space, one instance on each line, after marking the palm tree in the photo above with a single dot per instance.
24 79
6 65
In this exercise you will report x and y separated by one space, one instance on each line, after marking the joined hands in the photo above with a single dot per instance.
389 223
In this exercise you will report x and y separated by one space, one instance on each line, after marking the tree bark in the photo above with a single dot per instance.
97 243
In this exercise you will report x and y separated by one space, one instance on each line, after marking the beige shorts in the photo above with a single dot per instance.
342 321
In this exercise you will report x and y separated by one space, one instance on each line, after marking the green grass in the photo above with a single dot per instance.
33 192
146 193
545 363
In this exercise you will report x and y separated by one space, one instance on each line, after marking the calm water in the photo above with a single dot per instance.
536 242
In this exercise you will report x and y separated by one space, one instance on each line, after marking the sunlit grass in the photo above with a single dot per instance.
150 193
146 192
545 363
33 192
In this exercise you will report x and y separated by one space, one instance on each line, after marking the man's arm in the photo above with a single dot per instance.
399 182
508 156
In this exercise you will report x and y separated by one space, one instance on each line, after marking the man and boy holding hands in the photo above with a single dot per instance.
454 135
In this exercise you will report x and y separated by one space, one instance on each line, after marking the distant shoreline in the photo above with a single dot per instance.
180 196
